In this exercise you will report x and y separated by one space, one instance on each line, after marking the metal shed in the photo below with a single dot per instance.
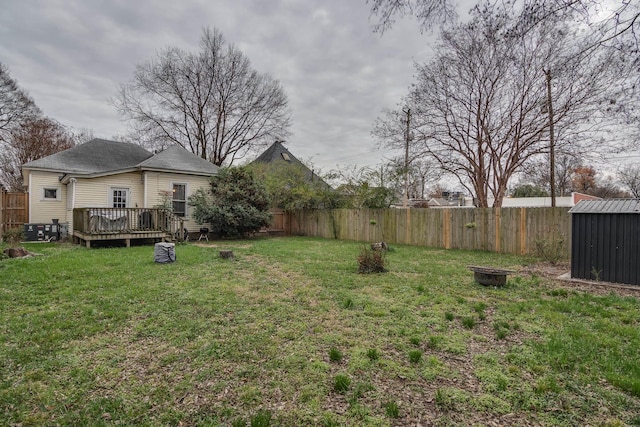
605 240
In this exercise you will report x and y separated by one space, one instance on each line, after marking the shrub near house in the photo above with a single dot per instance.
235 205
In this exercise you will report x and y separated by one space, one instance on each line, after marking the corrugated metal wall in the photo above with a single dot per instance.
606 247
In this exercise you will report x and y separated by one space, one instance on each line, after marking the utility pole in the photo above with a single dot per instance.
407 138
552 144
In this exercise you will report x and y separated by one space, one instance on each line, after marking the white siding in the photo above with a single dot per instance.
96 192
158 182
41 210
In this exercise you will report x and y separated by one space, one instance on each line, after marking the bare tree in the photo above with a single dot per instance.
15 104
479 106
607 188
629 177
537 173
82 135
423 172
623 18
428 12
212 103
33 139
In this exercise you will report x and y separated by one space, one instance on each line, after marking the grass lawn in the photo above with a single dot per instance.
290 334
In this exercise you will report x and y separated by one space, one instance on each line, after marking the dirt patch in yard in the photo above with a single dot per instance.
560 274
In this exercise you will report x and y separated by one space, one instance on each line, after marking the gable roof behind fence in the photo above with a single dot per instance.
613 206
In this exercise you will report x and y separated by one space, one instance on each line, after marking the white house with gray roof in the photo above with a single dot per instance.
111 174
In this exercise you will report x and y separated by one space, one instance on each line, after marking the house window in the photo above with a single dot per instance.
50 194
180 199
119 197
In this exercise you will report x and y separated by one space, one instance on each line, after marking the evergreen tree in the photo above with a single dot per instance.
235 205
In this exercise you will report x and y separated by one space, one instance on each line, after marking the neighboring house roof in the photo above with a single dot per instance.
278 154
100 156
613 206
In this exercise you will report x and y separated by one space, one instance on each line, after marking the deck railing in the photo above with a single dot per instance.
127 220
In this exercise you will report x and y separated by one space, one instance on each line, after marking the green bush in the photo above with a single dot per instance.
236 204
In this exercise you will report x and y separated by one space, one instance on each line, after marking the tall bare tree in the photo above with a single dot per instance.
422 173
212 103
622 18
33 139
537 173
479 107
15 104
629 177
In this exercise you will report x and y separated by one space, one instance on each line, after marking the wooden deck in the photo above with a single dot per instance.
126 224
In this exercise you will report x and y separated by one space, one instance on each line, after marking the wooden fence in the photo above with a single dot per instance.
505 230
14 210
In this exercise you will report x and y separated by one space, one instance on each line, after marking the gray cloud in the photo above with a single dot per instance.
71 56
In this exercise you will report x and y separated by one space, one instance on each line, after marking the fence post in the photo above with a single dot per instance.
407 236
498 213
2 209
446 229
523 231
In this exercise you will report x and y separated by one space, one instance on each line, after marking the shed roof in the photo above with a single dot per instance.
613 206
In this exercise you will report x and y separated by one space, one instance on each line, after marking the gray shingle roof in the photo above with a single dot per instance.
177 158
100 156
93 157
614 206
279 155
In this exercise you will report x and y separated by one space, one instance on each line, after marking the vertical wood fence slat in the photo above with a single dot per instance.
505 230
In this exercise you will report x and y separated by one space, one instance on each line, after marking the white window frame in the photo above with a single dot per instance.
58 191
186 196
127 200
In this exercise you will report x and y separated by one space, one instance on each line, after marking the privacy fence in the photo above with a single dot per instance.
13 210
505 230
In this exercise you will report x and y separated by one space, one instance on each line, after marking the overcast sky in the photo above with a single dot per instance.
70 56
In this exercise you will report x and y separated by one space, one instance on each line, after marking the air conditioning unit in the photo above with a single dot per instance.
41 232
